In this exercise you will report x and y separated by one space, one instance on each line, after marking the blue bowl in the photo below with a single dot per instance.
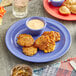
37 31
56 2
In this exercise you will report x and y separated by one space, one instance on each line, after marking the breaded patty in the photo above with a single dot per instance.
21 36
44 43
25 40
41 42
29 51
57 36
50 47
53 35
50 34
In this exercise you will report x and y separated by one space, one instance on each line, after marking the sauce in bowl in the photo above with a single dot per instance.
35 24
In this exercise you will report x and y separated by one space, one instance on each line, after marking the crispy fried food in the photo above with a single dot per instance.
44 43
50 47
29 51
50 34
68 3
25 40
64 10
57 36
73 9
71 4
53 35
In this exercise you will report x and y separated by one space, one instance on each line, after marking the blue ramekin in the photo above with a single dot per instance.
37 31
56 3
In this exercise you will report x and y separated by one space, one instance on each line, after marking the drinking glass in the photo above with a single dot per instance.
20 8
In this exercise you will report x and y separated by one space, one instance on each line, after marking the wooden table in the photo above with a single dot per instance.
7 60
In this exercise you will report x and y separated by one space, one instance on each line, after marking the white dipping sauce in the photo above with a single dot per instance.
35 24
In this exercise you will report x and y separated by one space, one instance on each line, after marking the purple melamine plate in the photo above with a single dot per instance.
52 25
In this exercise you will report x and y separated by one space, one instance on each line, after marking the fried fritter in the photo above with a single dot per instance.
21 36
50 34
57 36
41 42
50 47
53 35
29 51
44 43
25 40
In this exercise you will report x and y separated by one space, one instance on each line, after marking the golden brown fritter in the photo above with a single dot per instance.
41 42
50 47
25 40
44 43
53 35
21 36
57 36
29 51
50 34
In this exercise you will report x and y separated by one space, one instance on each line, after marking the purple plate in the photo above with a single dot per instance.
52 25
